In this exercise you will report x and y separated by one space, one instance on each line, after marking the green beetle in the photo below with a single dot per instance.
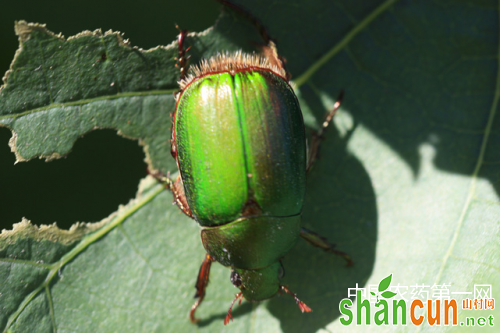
239 141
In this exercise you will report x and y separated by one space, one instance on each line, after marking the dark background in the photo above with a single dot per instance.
104 169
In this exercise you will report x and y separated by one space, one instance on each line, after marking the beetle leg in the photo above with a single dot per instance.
181 58
161 177
319 241
270 51
229 316
318 136
302 306
201 285
255 21
177 189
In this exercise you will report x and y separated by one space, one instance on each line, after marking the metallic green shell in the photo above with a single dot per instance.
260 284
240 142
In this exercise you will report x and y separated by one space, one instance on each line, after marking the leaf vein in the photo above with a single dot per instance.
90 100
304 77
134 248
45 72
476 262
477 168
51 308
27 262
90 239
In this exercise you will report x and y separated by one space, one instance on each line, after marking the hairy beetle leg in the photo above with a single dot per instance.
182 58
318 136
270 50
201 285
319 241
161 177
229 316
302 306
255 21
177 189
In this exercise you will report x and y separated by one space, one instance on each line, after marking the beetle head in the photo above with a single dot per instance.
260 284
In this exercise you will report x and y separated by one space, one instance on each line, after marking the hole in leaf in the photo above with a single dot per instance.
102 172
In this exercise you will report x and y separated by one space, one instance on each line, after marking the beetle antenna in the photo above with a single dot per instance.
229 316
303 307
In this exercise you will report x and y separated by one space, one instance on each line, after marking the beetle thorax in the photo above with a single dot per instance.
232 63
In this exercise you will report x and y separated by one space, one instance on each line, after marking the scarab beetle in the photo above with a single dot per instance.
239 140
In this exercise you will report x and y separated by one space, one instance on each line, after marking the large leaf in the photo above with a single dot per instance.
407 181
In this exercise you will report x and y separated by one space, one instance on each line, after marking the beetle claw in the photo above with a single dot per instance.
302 306
193 309
229 316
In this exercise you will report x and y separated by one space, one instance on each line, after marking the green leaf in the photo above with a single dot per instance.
388 294
385 283
407 181
57 90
